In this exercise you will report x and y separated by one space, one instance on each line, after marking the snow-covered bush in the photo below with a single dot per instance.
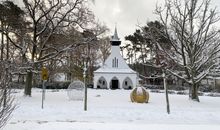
181 93
55 85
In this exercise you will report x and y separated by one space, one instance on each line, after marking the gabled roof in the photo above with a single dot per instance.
115 56
104 69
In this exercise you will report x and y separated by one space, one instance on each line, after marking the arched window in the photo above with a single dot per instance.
127 83
115 63
102 83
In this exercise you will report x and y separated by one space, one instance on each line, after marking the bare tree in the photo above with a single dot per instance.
11 19
14 33
73 61
49 17
6 99
104 47
190 27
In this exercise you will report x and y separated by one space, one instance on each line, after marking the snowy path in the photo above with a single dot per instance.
112 110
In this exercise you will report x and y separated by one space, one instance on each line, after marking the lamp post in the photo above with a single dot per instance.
85 96
166 92
137 80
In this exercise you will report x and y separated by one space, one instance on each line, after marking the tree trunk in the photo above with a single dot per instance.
7 48
194 92
28 84
29 77
5 88
218 89
2 43
21 78
69 76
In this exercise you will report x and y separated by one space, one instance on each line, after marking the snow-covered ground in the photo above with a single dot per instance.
113 110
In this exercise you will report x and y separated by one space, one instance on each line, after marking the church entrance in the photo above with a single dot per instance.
114 83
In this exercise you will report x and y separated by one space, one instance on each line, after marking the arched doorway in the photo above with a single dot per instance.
102 83
114 84
127 83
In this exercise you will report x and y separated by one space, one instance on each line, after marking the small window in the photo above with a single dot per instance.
113 63
126 83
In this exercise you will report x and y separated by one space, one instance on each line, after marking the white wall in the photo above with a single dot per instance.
121 77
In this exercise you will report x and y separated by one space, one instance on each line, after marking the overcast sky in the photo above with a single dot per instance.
126 13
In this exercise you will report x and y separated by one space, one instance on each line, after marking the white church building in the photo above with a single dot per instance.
115 73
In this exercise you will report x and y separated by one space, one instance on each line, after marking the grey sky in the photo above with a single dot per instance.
128 13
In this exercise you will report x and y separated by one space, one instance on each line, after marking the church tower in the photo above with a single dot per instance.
115 73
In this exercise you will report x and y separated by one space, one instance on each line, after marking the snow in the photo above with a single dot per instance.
115 70
113 110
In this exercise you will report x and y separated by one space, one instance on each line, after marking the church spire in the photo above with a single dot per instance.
115 36
115 41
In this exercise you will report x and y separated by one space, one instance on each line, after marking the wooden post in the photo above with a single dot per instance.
166 93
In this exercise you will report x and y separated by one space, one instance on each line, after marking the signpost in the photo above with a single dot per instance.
44 76
44 73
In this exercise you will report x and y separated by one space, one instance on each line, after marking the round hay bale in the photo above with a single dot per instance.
139 95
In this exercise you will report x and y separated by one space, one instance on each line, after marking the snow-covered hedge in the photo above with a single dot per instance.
55 85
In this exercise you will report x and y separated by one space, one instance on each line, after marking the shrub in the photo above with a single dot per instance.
181 93
55 85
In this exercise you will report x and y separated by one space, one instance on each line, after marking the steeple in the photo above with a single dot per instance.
115 41
115 73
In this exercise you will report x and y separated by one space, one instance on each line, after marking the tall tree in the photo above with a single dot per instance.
48 17
2 20
190 27
11 21
6 99
104 48
88 54
91 51
154 33
139 44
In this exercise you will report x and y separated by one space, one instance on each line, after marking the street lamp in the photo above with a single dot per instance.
85 96
166 92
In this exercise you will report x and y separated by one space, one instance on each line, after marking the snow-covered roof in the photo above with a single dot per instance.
115 63
115 70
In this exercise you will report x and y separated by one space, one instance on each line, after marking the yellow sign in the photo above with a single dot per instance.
44 73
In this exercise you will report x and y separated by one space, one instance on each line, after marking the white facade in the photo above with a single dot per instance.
115 73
